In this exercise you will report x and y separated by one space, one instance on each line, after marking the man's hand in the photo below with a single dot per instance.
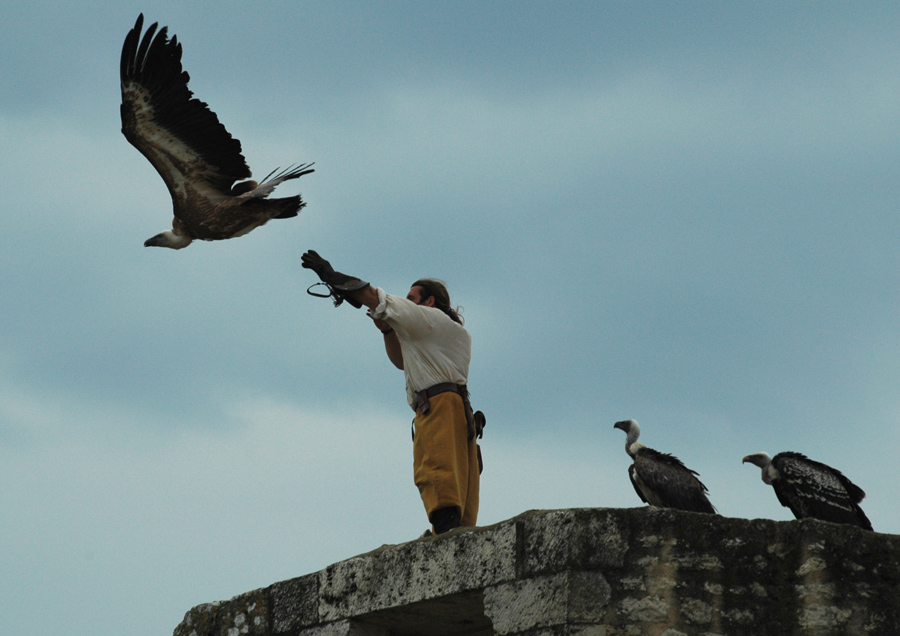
341 286
312 260
382 325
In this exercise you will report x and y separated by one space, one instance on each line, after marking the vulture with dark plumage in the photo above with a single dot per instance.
661 479
196 157
812 489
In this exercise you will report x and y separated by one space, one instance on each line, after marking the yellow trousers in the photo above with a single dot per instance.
445 461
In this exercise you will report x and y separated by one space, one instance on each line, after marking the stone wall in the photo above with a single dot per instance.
591 572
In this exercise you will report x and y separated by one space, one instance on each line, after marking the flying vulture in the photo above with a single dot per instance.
661 479
196 157
812 489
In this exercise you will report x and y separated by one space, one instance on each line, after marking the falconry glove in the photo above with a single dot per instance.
339 285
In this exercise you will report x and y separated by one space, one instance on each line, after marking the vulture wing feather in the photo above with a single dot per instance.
671 482
813 489
636 483
183 139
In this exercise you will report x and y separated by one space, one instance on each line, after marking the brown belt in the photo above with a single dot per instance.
423 406
474 421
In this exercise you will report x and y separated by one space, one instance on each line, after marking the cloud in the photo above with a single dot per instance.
203 513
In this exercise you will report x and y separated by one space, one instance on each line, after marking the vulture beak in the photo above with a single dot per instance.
168 239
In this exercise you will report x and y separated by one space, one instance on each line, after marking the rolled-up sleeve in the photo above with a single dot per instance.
378 312
407 318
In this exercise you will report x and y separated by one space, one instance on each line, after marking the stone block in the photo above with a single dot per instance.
399 575
547 601
295 603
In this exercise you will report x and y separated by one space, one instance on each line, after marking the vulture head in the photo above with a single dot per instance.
769 474
168 239
632 432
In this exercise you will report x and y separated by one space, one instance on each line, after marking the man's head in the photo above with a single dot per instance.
416 295
431 292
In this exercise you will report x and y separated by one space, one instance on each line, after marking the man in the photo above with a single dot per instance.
424 336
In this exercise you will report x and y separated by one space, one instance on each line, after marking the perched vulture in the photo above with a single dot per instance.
196 157
661 479
812 489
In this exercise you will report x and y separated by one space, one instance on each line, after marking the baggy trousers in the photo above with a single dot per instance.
445 461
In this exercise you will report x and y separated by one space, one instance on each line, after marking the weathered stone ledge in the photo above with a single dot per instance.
593 572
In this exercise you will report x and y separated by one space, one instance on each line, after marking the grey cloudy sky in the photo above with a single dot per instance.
684 213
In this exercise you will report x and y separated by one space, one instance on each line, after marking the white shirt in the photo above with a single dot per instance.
435 348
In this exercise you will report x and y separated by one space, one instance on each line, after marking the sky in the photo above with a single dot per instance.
681 213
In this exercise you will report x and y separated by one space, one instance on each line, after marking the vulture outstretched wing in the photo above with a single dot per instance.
178 133
190 148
